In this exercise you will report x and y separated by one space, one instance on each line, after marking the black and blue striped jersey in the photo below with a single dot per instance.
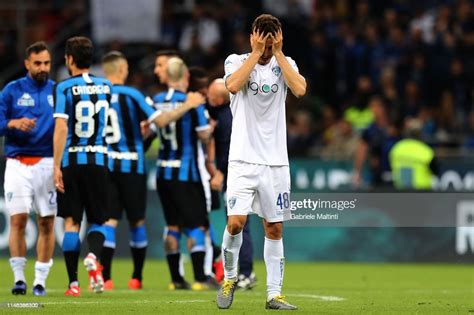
128 108
84 101
177 158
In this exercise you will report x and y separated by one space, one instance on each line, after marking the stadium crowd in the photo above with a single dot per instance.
414 55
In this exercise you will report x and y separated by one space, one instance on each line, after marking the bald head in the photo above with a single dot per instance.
218 94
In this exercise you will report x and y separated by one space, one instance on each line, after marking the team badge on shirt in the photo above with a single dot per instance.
50 100
26 100
276 71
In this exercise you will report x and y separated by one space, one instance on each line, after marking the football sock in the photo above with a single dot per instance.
275 264
198 265
138 246
108 251
41 272
71 249
208 260
96 242
18 267
230 253
106 261
173 264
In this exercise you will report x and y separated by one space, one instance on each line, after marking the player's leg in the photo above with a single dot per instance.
115 213
133 189
247 279
18 201
197 248
108 251
71 250
242 182
195 219
138 247
273 191
44 249
46 207
17 246
70 208
95 191
169 192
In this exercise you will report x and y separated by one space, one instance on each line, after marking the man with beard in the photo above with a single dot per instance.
26 122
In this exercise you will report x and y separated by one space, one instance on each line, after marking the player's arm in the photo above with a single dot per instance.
236 80
295 81
59 142
162 119
23 124
60 135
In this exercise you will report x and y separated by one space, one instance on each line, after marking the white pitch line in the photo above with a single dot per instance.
122 302
327 298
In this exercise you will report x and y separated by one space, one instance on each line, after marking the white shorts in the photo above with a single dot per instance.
30 188
259 189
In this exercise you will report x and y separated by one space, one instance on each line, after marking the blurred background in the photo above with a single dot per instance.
377 72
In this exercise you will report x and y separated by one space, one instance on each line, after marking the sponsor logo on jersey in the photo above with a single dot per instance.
26 100
50 100
276 71
265 88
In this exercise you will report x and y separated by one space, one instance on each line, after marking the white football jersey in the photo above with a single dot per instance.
258 110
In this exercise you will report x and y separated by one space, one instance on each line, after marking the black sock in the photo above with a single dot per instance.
71 259
173 264
106 261
198 266
138 255
216 252
96 242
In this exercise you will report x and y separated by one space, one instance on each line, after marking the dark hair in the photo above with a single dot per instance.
36 48
266 23
81 50
196 77
168 53
112 56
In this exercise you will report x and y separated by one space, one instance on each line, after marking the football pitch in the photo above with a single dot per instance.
323 288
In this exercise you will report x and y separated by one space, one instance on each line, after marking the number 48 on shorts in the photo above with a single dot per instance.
283 201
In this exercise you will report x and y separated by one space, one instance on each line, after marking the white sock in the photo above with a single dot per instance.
275 264
18 266
208 258
41 272
230 253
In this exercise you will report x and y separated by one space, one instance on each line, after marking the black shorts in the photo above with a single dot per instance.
127 191
85 189
184 203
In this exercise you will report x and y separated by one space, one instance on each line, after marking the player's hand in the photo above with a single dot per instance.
277 45
145 128
217 181
23 124
258 41
58 179
194 99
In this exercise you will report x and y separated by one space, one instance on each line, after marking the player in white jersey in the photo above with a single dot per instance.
258 176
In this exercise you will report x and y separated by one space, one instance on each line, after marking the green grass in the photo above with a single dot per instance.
323 288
